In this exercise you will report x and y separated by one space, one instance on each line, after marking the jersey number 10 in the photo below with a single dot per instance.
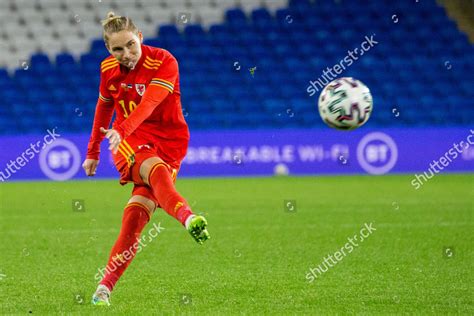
131 106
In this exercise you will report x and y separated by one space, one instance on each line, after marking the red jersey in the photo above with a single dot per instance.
146 101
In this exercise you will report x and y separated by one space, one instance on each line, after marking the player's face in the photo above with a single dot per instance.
125 47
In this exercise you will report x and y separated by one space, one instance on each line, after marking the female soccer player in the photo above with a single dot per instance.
148 139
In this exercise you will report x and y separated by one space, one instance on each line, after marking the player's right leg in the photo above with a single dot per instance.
160 177
136 215
139 162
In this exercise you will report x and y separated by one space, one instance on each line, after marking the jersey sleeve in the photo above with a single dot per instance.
167 74
160 87
104 93
103 115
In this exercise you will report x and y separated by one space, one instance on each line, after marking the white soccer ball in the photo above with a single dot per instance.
345 103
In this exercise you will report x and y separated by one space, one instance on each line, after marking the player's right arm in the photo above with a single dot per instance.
103 115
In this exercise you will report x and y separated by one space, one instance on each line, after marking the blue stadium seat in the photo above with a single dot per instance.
194 30
223 105
261 14
167 31
304 4
236 17
153 42
65 59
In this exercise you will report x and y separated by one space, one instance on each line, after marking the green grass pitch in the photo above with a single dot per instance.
259 254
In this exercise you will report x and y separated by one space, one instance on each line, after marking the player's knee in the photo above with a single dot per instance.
146 202
147 166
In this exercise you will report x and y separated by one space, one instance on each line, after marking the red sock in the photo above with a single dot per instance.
164 191
135 217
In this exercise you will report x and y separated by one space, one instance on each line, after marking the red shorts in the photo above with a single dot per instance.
133 152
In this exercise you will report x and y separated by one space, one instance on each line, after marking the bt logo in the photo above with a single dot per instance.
60 160
377 153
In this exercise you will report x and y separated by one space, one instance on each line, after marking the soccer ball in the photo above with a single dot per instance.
345 104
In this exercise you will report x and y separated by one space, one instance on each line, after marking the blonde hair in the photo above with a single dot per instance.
115 23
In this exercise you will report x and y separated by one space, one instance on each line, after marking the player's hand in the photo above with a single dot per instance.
90 166
114 139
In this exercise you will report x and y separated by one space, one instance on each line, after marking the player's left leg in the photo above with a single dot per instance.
158 175
136 215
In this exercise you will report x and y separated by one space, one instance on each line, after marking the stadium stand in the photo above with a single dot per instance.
243 64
